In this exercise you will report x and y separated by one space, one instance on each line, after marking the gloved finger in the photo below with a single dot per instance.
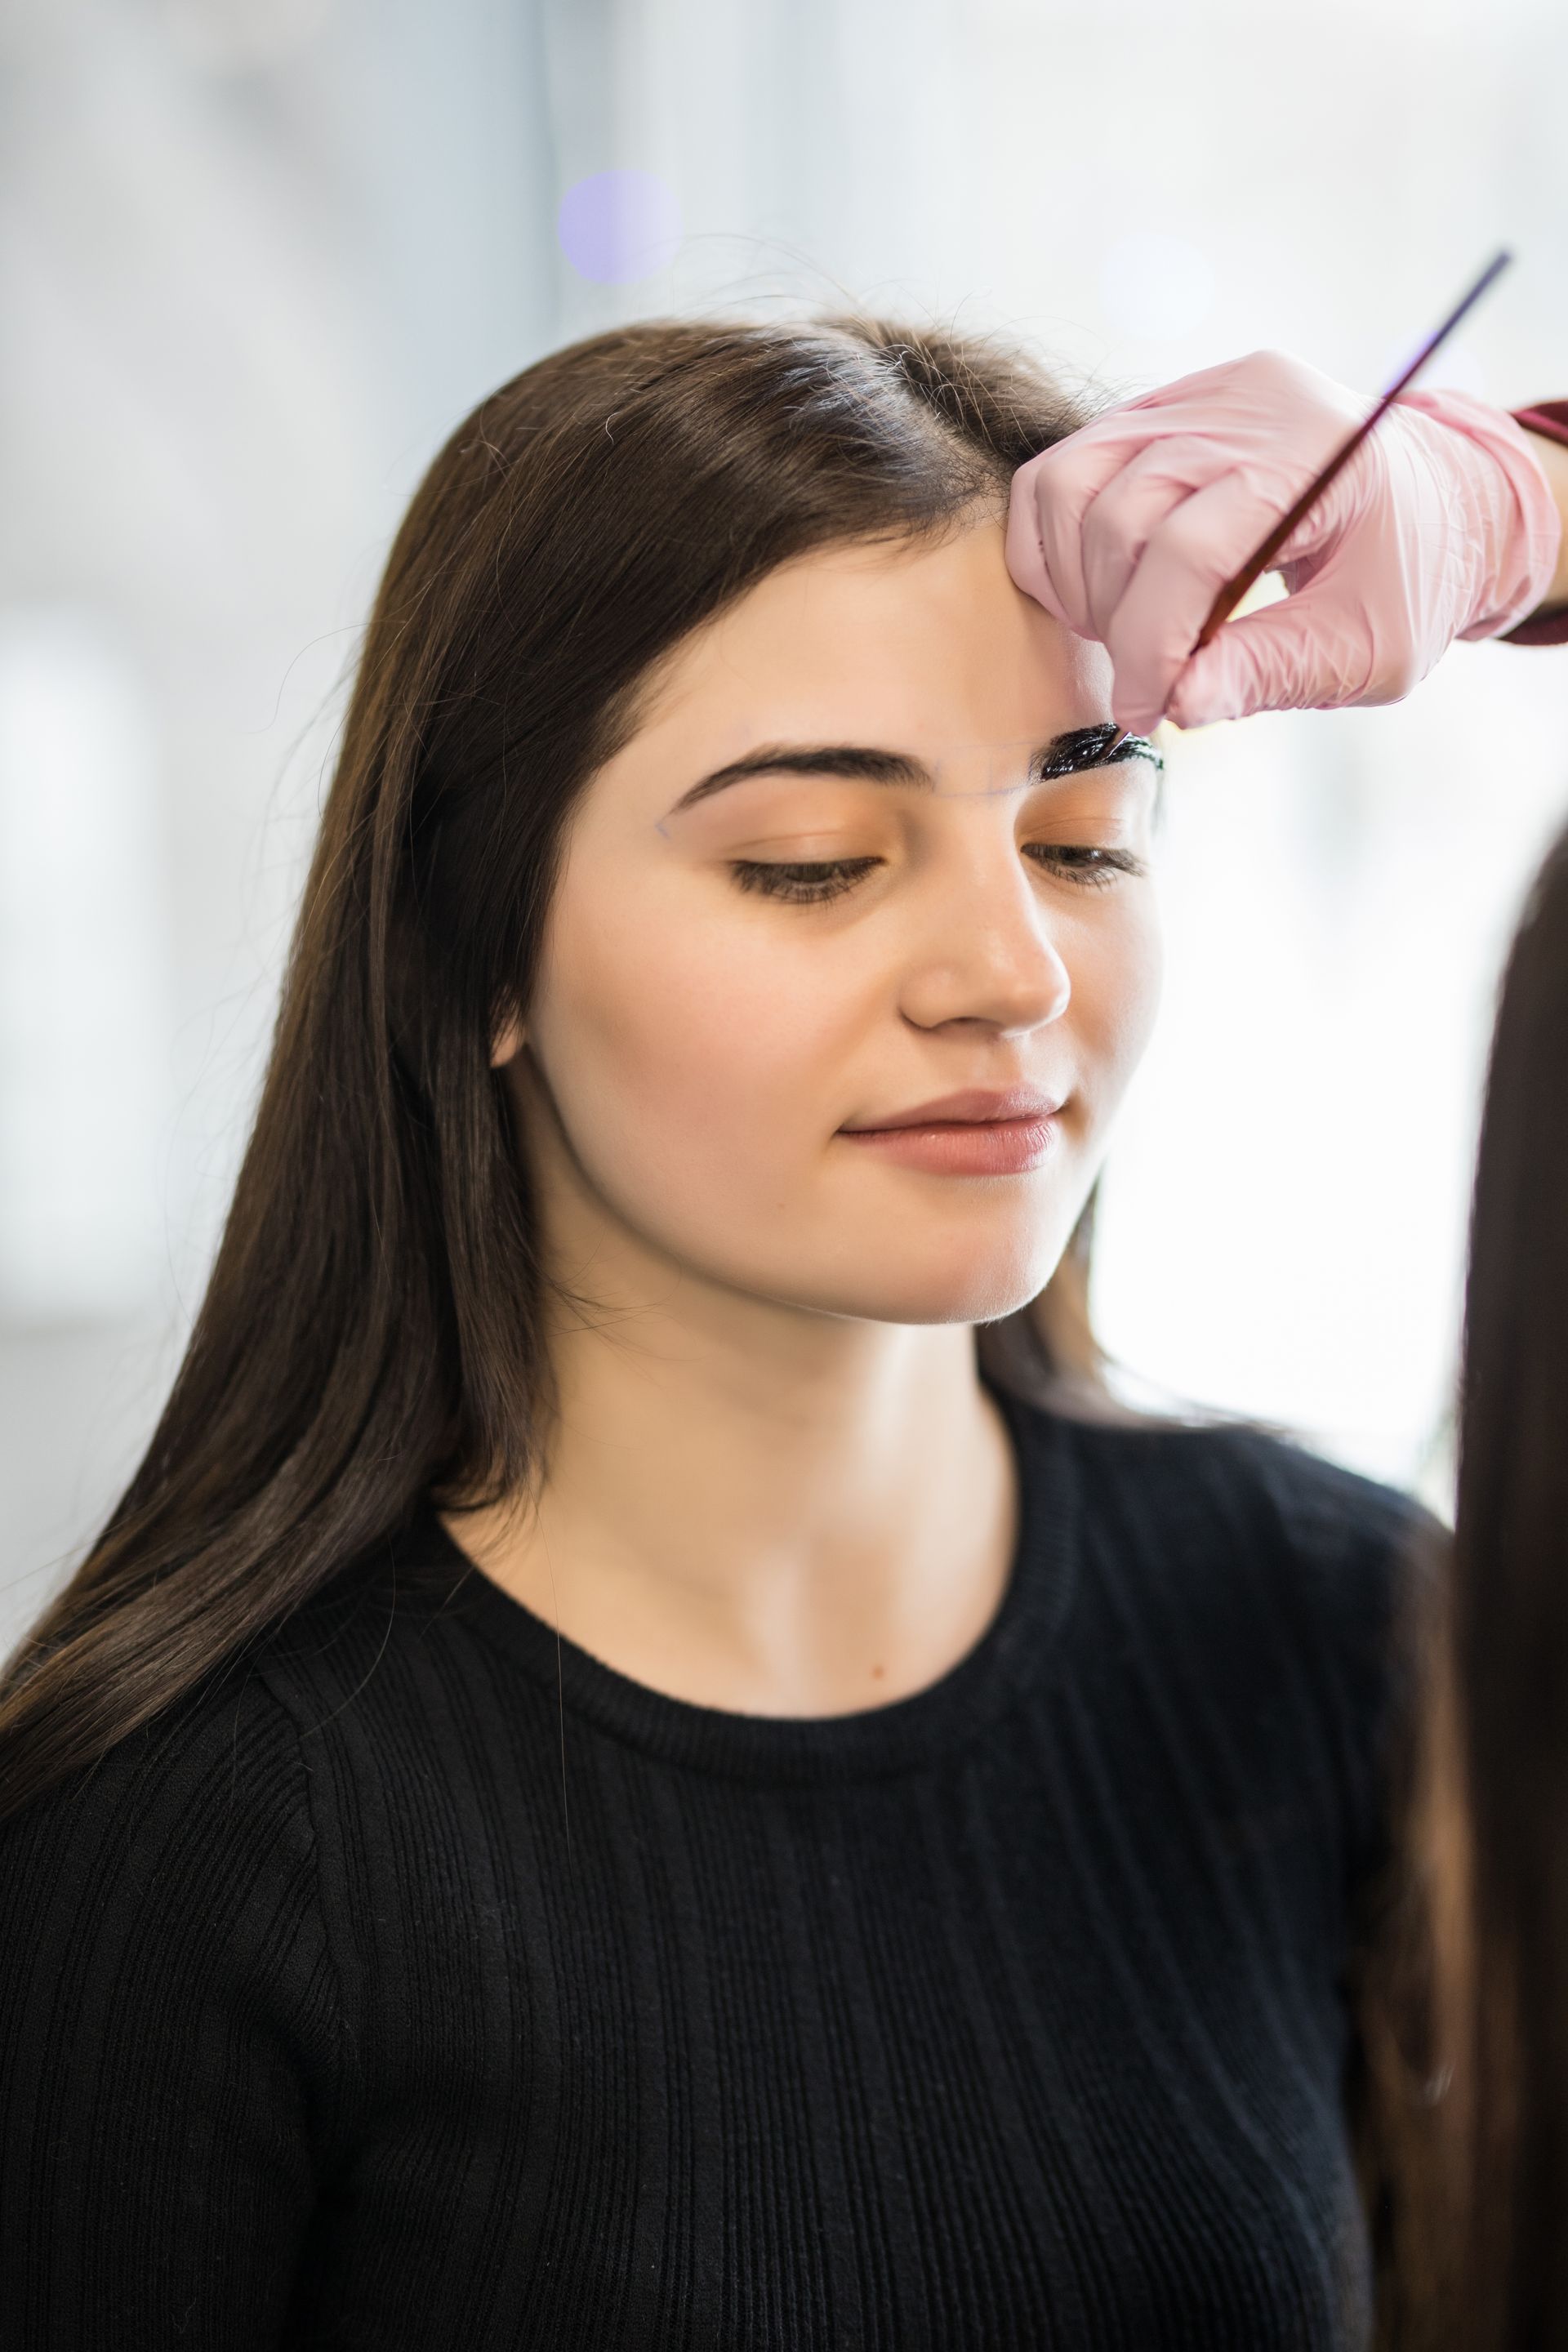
1201 545
1047 503
1241 412
1307 652
1135 511
1025 555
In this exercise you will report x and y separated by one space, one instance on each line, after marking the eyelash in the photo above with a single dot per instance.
814 883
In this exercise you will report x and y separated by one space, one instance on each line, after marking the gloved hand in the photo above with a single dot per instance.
1442 525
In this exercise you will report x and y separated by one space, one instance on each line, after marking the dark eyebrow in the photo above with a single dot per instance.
1064 755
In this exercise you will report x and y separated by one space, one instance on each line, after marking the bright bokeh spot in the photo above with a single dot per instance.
617 226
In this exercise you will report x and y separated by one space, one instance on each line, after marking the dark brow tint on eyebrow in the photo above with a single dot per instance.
1086 747
1064 755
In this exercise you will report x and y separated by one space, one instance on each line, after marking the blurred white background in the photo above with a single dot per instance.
256 257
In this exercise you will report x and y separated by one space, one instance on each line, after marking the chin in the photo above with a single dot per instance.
950 1303
977 1286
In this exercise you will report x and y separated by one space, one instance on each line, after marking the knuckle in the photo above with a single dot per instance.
1280 369
1401 673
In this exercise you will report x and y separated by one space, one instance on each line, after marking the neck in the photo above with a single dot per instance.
758 1507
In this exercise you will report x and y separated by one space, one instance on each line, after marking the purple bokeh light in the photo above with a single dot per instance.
614 227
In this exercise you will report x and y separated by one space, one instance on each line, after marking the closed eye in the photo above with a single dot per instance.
810 881
802 879
1089 868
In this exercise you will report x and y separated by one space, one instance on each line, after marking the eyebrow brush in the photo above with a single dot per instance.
1259 562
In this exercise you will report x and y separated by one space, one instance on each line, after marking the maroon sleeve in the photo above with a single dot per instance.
1549 417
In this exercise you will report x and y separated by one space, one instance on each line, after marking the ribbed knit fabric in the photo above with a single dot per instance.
423 1983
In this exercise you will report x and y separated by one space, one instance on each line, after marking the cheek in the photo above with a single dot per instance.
692 1049
1117 973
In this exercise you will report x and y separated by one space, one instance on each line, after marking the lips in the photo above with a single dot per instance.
980 1132
977 1106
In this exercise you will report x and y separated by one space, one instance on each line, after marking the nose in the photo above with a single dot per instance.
985 953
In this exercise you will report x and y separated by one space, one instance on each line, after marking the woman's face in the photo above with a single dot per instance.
819 892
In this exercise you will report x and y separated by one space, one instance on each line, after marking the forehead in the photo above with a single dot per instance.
917 645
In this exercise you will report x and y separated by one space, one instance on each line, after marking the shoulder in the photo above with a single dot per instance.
1231 1494
374 1658
168 1885
1260 1587
222 1762
232 1771
219 1845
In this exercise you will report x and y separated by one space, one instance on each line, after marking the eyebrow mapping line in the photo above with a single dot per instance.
1079 749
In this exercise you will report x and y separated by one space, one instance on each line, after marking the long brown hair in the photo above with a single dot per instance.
372 1331
1464 2002
1504 1686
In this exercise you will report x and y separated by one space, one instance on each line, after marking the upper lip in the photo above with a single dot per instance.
975 1106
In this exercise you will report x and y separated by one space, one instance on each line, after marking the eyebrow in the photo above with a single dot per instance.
1062 755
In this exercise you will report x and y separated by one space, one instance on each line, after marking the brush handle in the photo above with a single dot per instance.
1258 562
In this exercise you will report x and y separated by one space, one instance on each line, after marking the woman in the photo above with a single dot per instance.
614 1780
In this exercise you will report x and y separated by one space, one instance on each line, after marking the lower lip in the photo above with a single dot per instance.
1000 1147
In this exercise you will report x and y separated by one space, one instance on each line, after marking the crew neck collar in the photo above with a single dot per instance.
903 1735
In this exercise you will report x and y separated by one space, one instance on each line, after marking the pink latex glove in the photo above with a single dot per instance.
1442 525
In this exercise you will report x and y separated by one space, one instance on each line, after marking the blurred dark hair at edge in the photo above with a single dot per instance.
1466 1992
372 1330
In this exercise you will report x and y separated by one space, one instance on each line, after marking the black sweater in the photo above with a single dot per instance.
420 1983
